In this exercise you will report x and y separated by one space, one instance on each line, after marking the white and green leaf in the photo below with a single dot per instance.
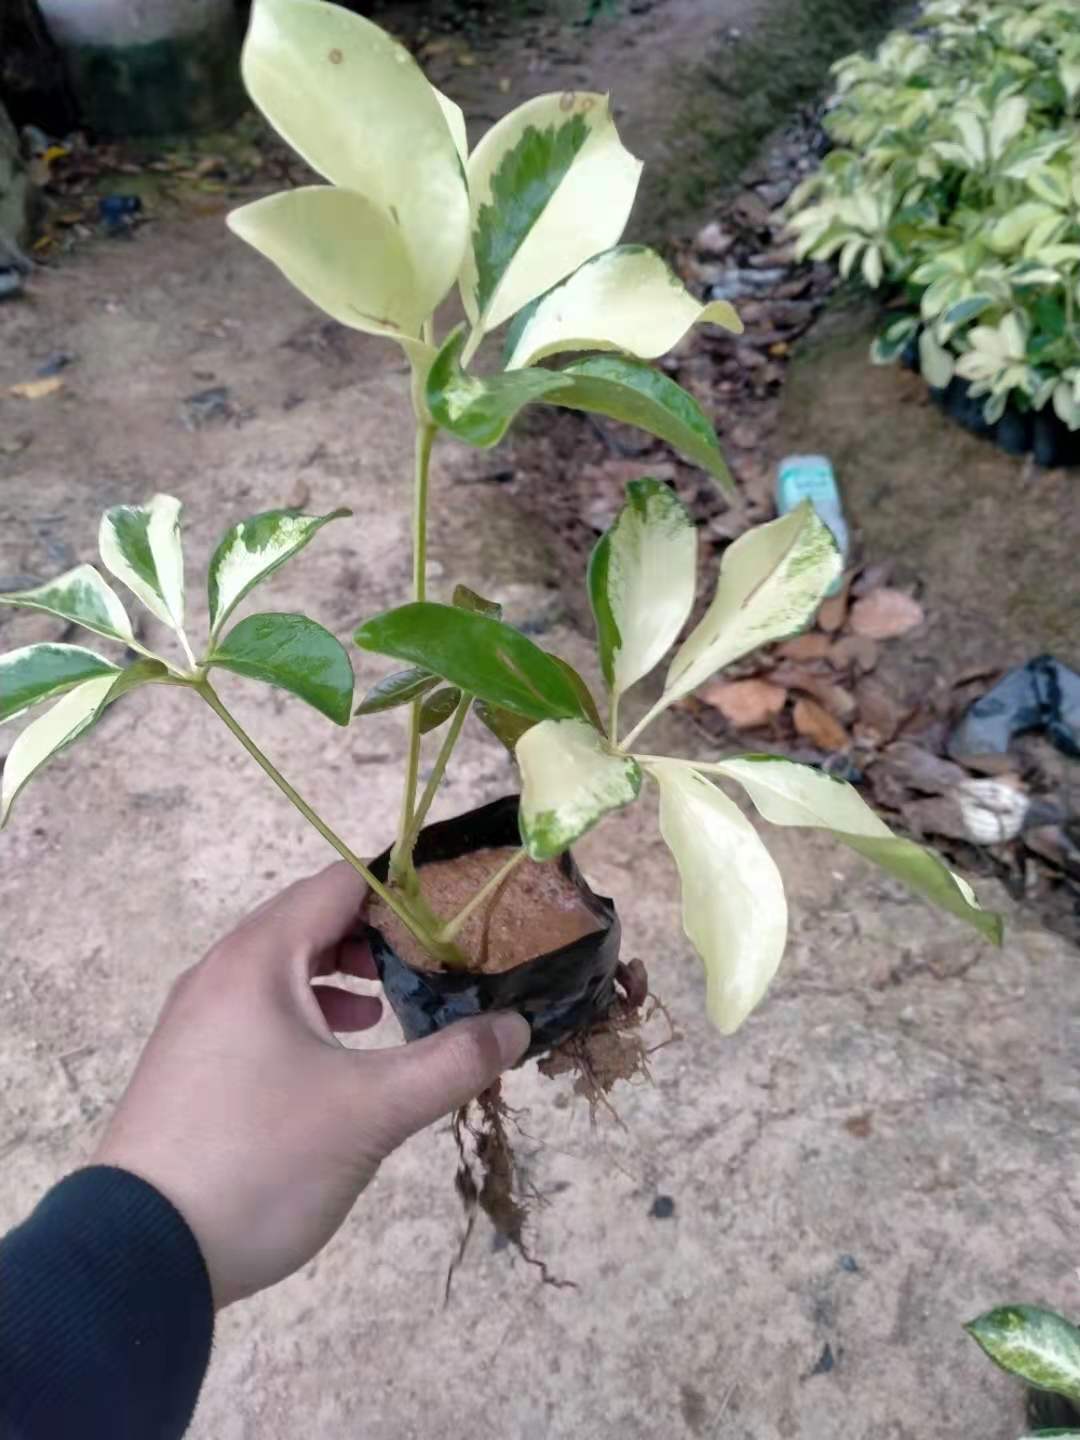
570 779
772 580
81 596
478 409
46 736
551 185
637 394
140 546
292 653
41 672
343 252
355 104
252 550
937 363
625 299
734 910
790 794
642 575
1040 1347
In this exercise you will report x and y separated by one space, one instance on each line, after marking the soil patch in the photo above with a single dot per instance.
537 909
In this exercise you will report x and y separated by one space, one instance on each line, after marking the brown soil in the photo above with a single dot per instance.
536 910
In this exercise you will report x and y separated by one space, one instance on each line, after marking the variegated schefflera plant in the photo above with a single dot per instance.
1042 1349
528 226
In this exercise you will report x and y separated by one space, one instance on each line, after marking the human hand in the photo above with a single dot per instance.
253 1119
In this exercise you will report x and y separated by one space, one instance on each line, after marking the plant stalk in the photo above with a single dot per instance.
431 788
386 896
451 928
401 871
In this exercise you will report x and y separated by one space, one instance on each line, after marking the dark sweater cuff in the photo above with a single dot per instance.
106 1314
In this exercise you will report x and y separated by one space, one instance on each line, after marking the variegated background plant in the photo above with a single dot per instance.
955 183
528 226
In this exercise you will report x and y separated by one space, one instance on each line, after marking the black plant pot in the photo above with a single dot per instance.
1015 431
559 993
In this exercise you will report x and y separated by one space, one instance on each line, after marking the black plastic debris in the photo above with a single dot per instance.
849 1264
826 1361
663 1208
1042 695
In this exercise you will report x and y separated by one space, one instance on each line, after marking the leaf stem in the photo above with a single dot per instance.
451 928
435 779
613 718
188 652
212 699
401 856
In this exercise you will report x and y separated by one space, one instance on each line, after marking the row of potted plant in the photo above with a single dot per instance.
954 188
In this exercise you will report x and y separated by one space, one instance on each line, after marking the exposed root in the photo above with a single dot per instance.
614 1048
501 1195
488 1177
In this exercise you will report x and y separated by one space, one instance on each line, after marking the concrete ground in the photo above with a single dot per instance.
888 1147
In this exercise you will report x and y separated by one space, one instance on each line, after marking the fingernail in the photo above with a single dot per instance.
513 1035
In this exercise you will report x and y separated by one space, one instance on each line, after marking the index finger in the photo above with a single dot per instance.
313 914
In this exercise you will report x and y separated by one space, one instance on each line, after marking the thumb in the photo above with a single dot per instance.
428 1079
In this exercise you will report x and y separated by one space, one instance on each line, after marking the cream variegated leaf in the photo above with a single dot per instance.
790 794
734 910
551 185
772 580
455 120
41 672
81 596
1039 1346
50 733
140 546
354 103
625 299
641 582
344 253
570 779
254 549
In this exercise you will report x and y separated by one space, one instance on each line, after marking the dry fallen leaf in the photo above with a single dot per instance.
37 389
838 701
884 614
815 723
880 715
745 704
811 646
856 651
834 610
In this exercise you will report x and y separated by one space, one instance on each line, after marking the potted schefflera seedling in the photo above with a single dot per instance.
488 910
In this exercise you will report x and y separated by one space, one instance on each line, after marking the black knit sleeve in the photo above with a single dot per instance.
106 1315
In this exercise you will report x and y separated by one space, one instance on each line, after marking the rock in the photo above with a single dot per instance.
938 815
752 210
1052 843
884 614
919 769
993 810
815 723
749 358
206 407
713 239
745 704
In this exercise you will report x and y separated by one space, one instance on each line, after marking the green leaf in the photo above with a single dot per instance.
355 104
789 794
734 910
642 575
79 595
570 779
551 185
41 672
505 725
625 299
46 736
581 690
479 410
637 394
254 549
1037 1345
341 251
483 657
466 599
772 580
295 654
140 546
958 315
892 341
438 707
398 688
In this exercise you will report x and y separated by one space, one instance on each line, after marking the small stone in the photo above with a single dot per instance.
849 1264
663 1208
826 1361
713 239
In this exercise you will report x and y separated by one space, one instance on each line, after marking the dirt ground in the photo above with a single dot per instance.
887 1148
